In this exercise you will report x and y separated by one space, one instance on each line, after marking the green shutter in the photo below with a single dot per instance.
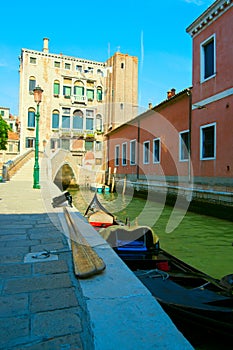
56 89
90 94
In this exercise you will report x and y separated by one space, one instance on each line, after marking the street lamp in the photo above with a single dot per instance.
36 175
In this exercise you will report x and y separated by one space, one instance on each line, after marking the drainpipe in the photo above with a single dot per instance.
138 149
107 152
189 93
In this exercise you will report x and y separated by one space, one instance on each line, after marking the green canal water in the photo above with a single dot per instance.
202 241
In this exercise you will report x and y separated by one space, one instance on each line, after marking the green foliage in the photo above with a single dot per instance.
4 128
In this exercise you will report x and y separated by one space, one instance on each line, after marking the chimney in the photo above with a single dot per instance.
150 105
171 93
46 45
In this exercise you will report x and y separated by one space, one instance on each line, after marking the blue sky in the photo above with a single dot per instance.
152 30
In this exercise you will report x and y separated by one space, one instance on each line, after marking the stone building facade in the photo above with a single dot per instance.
13 136
81 100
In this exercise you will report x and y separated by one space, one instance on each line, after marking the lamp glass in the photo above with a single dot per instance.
37 94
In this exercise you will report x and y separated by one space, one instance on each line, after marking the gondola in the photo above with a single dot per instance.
98 216
201 306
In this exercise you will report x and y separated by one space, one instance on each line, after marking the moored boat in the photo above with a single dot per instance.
98 216
201 306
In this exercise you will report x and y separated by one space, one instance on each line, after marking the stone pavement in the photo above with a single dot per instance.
41 306
44 306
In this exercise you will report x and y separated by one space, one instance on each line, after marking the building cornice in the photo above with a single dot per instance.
210 15
63 57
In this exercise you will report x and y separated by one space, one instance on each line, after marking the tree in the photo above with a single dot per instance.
4 128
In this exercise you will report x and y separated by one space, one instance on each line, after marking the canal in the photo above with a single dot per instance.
202 241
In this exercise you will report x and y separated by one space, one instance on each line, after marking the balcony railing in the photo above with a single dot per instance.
89 134
78 99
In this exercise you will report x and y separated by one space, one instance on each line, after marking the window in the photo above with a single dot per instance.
54 143
156 150
184 146
78 120
122 65
98 161
2 113
57 64
90 90
67 66
99 123
32 60
98 146
78 68
78 88
99 93
146 150
67 88
89 145
56 88
208 58
30 142
55 119
89 120
122 106
100 72
133 152
90 70
32 84
124 149
208 141
117 155
90 95
31 118
66 118
65 144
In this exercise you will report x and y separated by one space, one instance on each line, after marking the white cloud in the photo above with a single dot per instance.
195 2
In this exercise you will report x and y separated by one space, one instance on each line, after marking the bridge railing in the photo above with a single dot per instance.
8 170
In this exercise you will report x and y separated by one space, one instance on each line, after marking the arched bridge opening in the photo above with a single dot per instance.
65 177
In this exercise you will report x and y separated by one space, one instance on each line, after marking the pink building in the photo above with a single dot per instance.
186 140
212 97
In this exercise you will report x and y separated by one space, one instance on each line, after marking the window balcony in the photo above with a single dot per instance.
78 133
78 99
65 132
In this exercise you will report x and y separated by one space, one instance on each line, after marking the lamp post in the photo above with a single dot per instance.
36 175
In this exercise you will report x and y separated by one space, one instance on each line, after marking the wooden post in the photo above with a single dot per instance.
124 186
109 176
113 180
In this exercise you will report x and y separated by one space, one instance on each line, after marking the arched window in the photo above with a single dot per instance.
32 84
78 120
78 88
99 122
56 88
100 72
55 119
99 93
31 118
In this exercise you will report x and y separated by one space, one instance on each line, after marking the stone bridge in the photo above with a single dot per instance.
62 169
65 172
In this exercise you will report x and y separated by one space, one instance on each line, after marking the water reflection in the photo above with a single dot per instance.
202 241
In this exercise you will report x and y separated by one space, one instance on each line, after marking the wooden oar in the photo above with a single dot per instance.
86 261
